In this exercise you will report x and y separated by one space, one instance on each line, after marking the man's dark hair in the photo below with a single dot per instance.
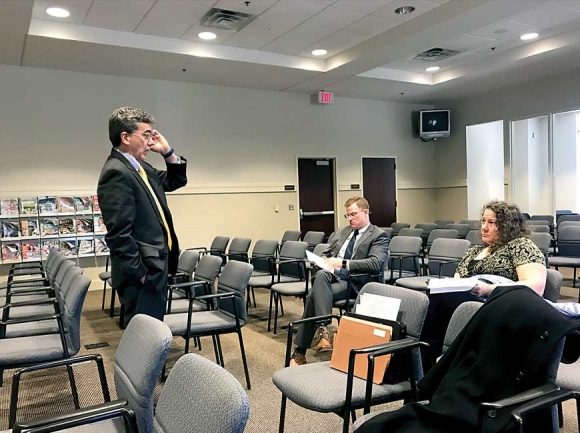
511 223
126 119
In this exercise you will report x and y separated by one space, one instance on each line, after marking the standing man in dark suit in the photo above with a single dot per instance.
140 234
360 248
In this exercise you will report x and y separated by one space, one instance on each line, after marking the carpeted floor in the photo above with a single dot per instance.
48 393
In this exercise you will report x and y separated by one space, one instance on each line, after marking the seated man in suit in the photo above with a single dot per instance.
360 248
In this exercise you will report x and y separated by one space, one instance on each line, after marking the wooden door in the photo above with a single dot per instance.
316 189
380 189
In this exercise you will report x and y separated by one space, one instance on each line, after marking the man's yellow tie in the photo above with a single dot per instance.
144 176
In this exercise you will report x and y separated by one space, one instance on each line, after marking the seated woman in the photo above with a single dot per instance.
507 252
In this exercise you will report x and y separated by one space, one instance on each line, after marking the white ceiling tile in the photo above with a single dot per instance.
267 26
321 2
421 7
157 27
459 59
465 43
255 7
372 25
571 4
181 11
78 10
136 7
106 20
334 18
407 65
514 30
498 47
364 6
307 32
290 13
221 34
546 16
248 40
439 1
286 45
335 43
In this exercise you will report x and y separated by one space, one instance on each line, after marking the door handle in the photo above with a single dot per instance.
318 213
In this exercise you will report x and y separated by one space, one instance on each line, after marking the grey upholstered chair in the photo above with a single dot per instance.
228 313
444 256
388 230
139 360
238 249
473 224
206 272
441 224
313 239
186 266
397 228
462 229
404 257
568 250
217 248
554 280
15 352
539 229
474 236
549 218
45 276
262 259
407 231
543 242
459 319
291 250
426 227
289 235
318 387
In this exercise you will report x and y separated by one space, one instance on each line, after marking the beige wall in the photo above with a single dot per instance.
241 144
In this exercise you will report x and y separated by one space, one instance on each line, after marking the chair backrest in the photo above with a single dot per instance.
401 246
462 229
473 224
569 241
441 224
441 233
234 279
64 269
567 223
542 241
474 236
539 229
208 268
200 396
398 226
263 249
220 243
387 230
445 250
239 249
568 217
313 239
53 263
549 218
290 235
293 250
188 261
411 232
73 305
426 227
71 273
139 361
554 280
320 248
459 319
538 223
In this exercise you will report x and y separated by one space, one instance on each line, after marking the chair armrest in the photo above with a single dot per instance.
490 408
31 290
30 319
196 248
12 282
187 284
34 264
545 401
80 417
51 301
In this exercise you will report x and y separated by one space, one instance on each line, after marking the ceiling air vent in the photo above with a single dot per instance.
224 19
435 55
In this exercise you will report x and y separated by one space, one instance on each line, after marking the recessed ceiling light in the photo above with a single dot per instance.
528 36
207 36
404 10
58 12
319 52
432 68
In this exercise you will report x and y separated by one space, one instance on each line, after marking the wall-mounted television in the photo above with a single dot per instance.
434 123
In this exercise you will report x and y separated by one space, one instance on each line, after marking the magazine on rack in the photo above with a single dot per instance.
65 205
66 226
83 205
9 207
47 205
86 247
68 247
28 206
48 246
30 250
29 227
10 229
48 227
10 251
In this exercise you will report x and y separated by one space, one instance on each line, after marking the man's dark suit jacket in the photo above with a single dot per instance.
369 255
136 235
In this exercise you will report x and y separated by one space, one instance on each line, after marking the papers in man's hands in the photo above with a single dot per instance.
450 285
382 307
318 261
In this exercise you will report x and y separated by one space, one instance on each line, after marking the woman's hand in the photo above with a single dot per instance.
482 289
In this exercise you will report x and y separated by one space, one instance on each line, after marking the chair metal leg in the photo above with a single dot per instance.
73 387
215 350
244 360
277 298
219 346
574 280
254 297
104 294
270 310
282 414
561 416
281 307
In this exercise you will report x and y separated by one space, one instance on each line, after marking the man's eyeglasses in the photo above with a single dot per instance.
352 214
146 134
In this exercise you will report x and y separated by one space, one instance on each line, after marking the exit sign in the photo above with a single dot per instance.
325 97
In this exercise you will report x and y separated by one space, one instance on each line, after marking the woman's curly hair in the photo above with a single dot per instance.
511 223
